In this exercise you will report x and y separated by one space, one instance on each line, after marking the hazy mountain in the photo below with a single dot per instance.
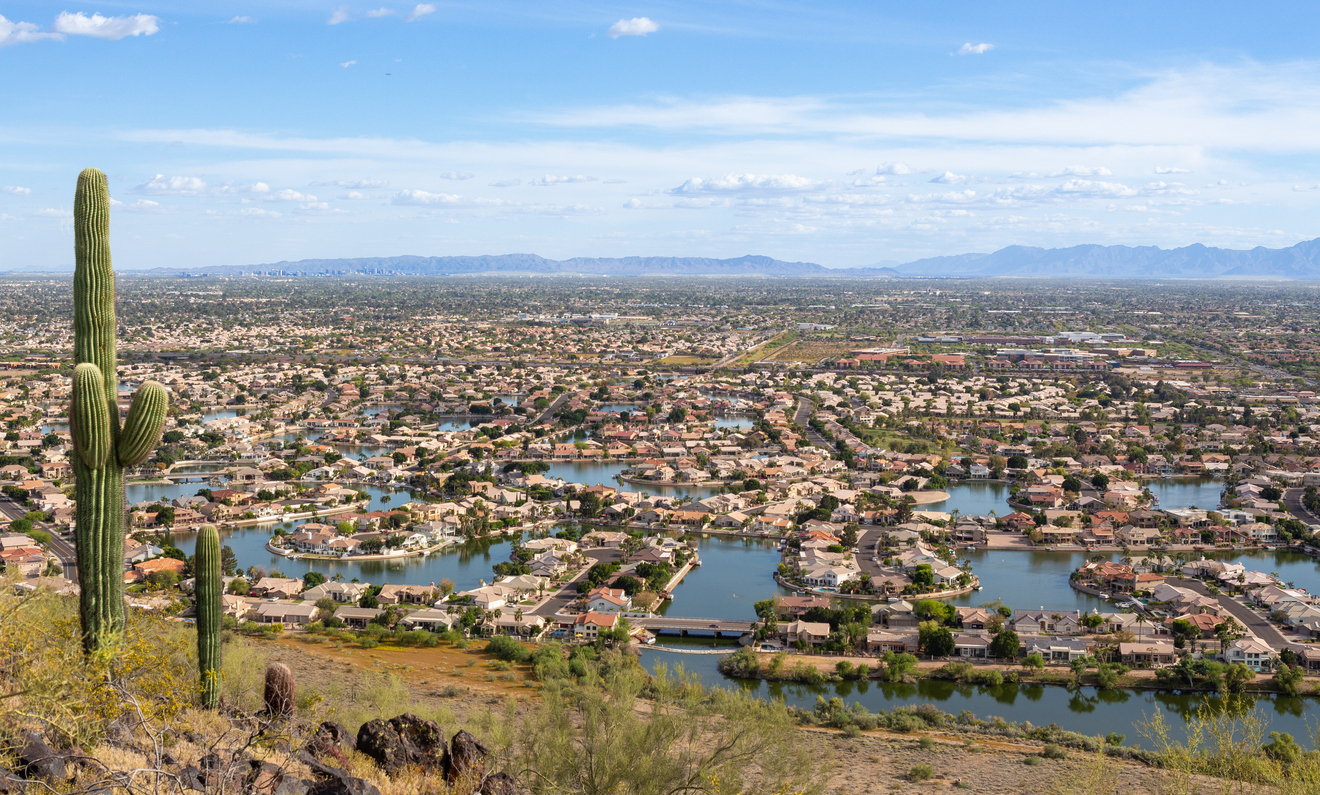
1301 261
521 263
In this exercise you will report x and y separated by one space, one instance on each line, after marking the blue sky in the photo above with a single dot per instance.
838 133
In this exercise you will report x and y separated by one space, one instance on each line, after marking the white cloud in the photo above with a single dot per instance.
319 208
139 206
975 49
420 10
354 183
380 12
22 33
99 27
423 198
1083 171
894 169
339 15
950 178
460 175
240 20
15 190
870 182
1172 170
748 182
353 195
259 187
613 181
637 26
347 64
1092 189
551 179
506 183
173 186
255 212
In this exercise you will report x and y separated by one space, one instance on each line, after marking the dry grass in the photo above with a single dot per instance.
809 351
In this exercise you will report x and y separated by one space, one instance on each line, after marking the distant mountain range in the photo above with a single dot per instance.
1301 262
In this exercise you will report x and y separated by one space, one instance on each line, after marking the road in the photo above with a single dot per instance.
1253 621
1292 500
551 409
564 598
802 416
63 550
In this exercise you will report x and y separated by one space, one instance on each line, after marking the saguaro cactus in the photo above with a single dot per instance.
104 447
210 613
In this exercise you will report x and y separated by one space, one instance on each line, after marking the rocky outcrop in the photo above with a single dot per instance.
403 741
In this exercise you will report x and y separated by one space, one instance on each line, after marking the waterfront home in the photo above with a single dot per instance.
1057 650
1038 622
608 600
431 619
357 617
1146 654
277 587
508 621
407 594
810 633
1251 652
342 592
828 576
289 614
1204 622
588 626
524 583
794 606
1133 536
976 618
971 645
895 614
879 641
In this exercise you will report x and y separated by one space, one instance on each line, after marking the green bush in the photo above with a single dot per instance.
921 772
1031 760
926 743
1053 751
508 649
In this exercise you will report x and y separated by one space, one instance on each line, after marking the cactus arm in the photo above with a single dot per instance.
90 418
144 423
210 613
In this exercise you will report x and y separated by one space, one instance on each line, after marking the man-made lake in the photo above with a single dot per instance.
1089 710
603 473
735 574
979 498
1174 493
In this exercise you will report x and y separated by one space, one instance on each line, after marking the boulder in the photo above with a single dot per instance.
499 784
333 781
330 740
464 763
265 778
402 741
37 760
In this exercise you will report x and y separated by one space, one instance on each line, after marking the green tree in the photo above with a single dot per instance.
1005 645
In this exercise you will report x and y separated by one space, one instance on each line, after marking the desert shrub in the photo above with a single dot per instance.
1053 751
508 649
926 743
921 772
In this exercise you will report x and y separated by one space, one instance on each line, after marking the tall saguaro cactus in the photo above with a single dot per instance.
210 613
104 447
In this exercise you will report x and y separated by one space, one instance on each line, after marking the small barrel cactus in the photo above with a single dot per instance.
104 447
280 692
210 613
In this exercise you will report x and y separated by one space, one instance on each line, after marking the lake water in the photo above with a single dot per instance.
1175 493
603 473
973 498
1089 710
741 423
735 574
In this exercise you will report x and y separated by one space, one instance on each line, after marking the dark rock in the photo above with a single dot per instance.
464 762
10 785
338 733
402 741
38 760
191 777
499 784
331 740
333 781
